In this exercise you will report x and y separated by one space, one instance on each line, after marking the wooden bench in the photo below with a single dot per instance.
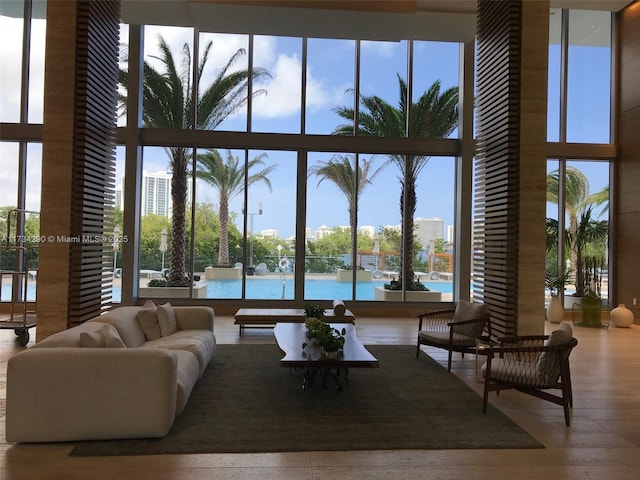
268 317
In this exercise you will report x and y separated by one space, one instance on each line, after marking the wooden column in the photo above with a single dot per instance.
626 215
78 164
509 229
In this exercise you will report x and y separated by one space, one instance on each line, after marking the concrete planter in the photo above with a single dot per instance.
396 296
199 291
221 273
347 275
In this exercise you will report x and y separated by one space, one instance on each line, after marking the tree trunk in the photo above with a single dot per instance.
223 244
406 251
178 216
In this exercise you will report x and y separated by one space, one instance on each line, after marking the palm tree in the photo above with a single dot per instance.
227 176
349 180
434 115
583 229
168 102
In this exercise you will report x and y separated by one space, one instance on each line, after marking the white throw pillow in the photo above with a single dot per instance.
166 319
91 340
111 337
469 311
149 321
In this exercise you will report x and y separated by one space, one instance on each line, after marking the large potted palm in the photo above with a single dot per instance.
169 102
433 115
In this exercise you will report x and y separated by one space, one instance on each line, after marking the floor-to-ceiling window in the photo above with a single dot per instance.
579 120
243 222
22 42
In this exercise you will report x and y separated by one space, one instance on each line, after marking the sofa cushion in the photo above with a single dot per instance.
201 343
148 318
91 340
70 337
124 319
111 337
187 375
166 319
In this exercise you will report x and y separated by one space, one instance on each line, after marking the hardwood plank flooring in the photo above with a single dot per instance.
602 442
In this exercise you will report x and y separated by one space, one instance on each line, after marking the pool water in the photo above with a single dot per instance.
274 289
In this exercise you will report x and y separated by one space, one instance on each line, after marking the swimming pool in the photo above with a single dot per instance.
273 289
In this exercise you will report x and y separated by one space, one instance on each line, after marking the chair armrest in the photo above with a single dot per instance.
436 318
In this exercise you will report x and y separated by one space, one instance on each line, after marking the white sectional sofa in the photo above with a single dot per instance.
125 374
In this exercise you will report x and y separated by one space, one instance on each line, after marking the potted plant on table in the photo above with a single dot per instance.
329 339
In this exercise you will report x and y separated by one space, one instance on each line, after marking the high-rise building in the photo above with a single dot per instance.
156 194
428 230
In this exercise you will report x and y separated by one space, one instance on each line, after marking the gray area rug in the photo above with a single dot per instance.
246 402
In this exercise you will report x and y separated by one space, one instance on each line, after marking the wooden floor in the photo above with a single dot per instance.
603 441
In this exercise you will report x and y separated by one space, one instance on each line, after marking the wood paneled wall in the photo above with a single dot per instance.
509 226
627 182
78 165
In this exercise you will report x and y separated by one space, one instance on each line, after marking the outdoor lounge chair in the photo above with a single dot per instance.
532 364
454 330
261 269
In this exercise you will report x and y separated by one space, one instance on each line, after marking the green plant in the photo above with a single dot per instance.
161 282
324 335
413 286
555 279
314 311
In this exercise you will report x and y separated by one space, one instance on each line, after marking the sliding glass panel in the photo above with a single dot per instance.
277 97
159 212
554 269
434 217
587 221
271 218
589 77
331 203
327 86
383 76
36 62
377 207
123 65
553 99
118 229
218 229
436 77
168 51
11 35
226 58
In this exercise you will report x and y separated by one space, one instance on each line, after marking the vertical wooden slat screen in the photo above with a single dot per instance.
496 212
93 184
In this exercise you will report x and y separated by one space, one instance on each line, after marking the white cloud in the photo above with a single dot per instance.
383 49
283 89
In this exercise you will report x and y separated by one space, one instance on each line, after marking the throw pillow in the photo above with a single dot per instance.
548 361
111 337
91 340
149 321
469 310
166 319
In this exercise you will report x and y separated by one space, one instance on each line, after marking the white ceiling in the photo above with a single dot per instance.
443 20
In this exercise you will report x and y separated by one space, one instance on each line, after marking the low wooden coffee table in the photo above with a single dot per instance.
268 317
291 336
